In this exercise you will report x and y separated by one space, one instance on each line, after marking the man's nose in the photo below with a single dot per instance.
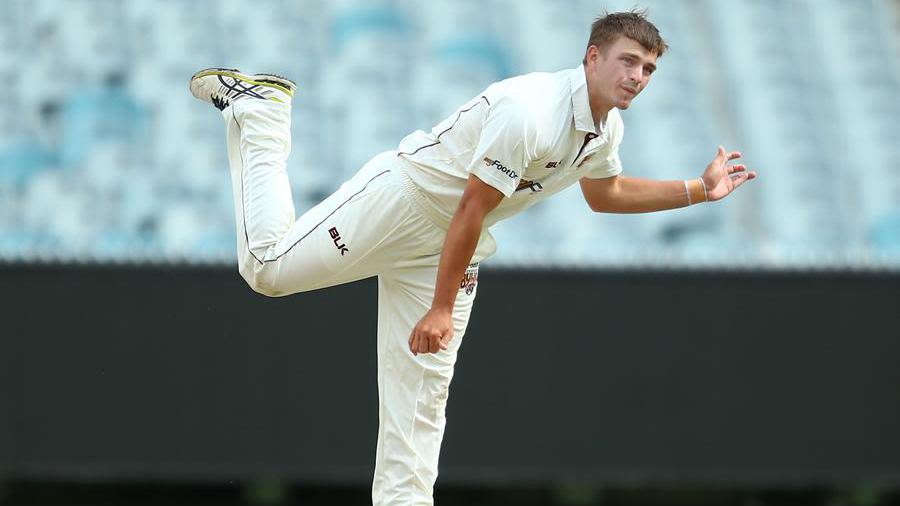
634 75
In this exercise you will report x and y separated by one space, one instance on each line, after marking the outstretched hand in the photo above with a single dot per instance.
721 178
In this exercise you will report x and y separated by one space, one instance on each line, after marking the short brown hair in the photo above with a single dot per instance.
633 24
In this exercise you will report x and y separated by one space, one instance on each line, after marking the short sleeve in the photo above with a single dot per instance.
609 164
501 155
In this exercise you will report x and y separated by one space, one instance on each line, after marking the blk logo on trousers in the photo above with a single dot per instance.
336 237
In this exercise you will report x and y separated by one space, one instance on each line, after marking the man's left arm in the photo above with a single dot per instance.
620 194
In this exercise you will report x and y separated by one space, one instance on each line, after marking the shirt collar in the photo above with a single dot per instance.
581 105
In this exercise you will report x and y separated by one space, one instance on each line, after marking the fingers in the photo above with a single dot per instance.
437 342
418 342
736 168
428 341
721 155
725 156
414 342
739 179
434 344
445 341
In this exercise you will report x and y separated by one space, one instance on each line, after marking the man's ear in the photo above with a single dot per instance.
593 54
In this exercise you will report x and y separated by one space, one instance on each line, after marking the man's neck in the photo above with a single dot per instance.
601 124
599 110
599 115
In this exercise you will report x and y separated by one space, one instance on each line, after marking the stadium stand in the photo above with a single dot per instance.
105 156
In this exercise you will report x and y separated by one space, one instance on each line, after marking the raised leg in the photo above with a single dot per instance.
353 234
346 237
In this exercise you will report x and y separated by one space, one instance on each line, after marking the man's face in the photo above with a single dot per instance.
619 73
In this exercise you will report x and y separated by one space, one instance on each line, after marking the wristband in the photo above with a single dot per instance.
696 190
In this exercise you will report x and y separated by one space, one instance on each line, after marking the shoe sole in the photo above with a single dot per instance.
271 80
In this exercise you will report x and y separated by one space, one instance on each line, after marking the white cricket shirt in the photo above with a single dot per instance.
528 136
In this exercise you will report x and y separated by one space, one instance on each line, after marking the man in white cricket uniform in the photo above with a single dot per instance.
418 218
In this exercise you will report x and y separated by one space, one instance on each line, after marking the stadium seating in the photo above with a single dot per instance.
104 155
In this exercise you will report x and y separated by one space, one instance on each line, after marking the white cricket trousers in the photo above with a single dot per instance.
369 227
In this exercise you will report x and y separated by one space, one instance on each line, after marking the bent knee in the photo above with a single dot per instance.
261 279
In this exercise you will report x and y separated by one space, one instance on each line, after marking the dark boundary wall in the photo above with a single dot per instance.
184 374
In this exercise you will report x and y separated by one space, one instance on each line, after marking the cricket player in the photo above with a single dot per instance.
418 217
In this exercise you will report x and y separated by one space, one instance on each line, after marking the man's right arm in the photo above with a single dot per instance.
435 329
497 165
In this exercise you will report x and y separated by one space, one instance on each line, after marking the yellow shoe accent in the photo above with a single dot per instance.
243 78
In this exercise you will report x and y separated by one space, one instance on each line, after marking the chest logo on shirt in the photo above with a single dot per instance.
533 185
552 165
502 168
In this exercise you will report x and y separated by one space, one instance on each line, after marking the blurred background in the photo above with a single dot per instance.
104 155
137 368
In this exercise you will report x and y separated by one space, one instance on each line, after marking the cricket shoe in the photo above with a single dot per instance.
221 87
